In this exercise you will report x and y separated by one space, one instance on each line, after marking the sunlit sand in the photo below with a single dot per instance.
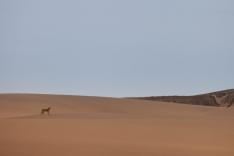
95 126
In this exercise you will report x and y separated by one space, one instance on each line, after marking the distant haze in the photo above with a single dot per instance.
116 48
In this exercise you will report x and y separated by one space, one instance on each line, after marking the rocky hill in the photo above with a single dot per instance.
223 98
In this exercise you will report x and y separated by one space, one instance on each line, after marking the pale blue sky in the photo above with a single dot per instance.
116 47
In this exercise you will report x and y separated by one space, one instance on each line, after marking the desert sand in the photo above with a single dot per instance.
98 126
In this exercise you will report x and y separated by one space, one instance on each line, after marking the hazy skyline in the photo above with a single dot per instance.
116 48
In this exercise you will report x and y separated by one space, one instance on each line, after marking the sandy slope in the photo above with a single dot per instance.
93 126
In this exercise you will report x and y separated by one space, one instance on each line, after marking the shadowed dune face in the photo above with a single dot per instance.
94 126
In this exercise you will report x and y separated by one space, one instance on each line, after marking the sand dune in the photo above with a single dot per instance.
96 126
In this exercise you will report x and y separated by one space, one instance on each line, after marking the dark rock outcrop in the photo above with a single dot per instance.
223 98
